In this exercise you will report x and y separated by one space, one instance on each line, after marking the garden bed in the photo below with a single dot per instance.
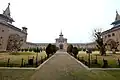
22 59
98 61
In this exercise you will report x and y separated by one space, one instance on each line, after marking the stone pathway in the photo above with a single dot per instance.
59 67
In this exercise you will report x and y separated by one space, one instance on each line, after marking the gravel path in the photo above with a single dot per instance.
60 67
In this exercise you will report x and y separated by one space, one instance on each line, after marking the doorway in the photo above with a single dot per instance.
61 46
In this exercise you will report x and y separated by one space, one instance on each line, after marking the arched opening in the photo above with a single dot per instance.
14 42
111 44
61 46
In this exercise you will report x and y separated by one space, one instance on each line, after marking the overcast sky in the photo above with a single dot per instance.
76 18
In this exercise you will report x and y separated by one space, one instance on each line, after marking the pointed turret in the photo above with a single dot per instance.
7 11
6 17
116 23
117 16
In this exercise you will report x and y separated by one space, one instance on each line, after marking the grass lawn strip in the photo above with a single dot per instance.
16 59
92 75
15 74
111 58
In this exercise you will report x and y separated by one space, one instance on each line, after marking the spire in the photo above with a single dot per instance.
7 11
61 33
117 16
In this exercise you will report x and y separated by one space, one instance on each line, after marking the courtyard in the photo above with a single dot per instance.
60 67
85 59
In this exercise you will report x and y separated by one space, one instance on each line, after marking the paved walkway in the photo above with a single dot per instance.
59 67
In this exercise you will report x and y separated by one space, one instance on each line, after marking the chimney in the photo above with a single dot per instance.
24 29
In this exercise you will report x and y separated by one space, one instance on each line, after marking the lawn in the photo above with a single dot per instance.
16 58
111 58
6 74
78 75
96 75
81 74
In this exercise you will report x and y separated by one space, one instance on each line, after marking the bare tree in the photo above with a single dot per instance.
14 42
99 40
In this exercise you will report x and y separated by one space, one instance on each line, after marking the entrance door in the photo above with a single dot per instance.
61 46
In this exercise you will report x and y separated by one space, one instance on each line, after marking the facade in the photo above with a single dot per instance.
61 42
112 35
7 29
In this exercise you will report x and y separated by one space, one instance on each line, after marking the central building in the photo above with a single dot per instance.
61 42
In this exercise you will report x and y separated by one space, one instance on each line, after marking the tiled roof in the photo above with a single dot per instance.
9 18
31 43
116 22
82 43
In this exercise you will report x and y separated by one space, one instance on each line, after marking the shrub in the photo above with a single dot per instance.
54 49
79 49
34 49
30 50
37 50
69 48
22 50
51 49
84 49
48 49
19 49
75 51
105 63
26 50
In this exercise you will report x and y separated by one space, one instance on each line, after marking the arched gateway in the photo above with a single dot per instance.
111 44
61 46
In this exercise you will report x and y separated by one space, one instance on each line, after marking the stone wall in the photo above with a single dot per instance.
5 31
3 37
113 34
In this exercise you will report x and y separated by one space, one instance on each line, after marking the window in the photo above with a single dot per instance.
21 39
113 34
109 35
1 37
2 30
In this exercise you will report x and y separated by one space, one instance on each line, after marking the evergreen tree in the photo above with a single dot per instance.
69 48
75 51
